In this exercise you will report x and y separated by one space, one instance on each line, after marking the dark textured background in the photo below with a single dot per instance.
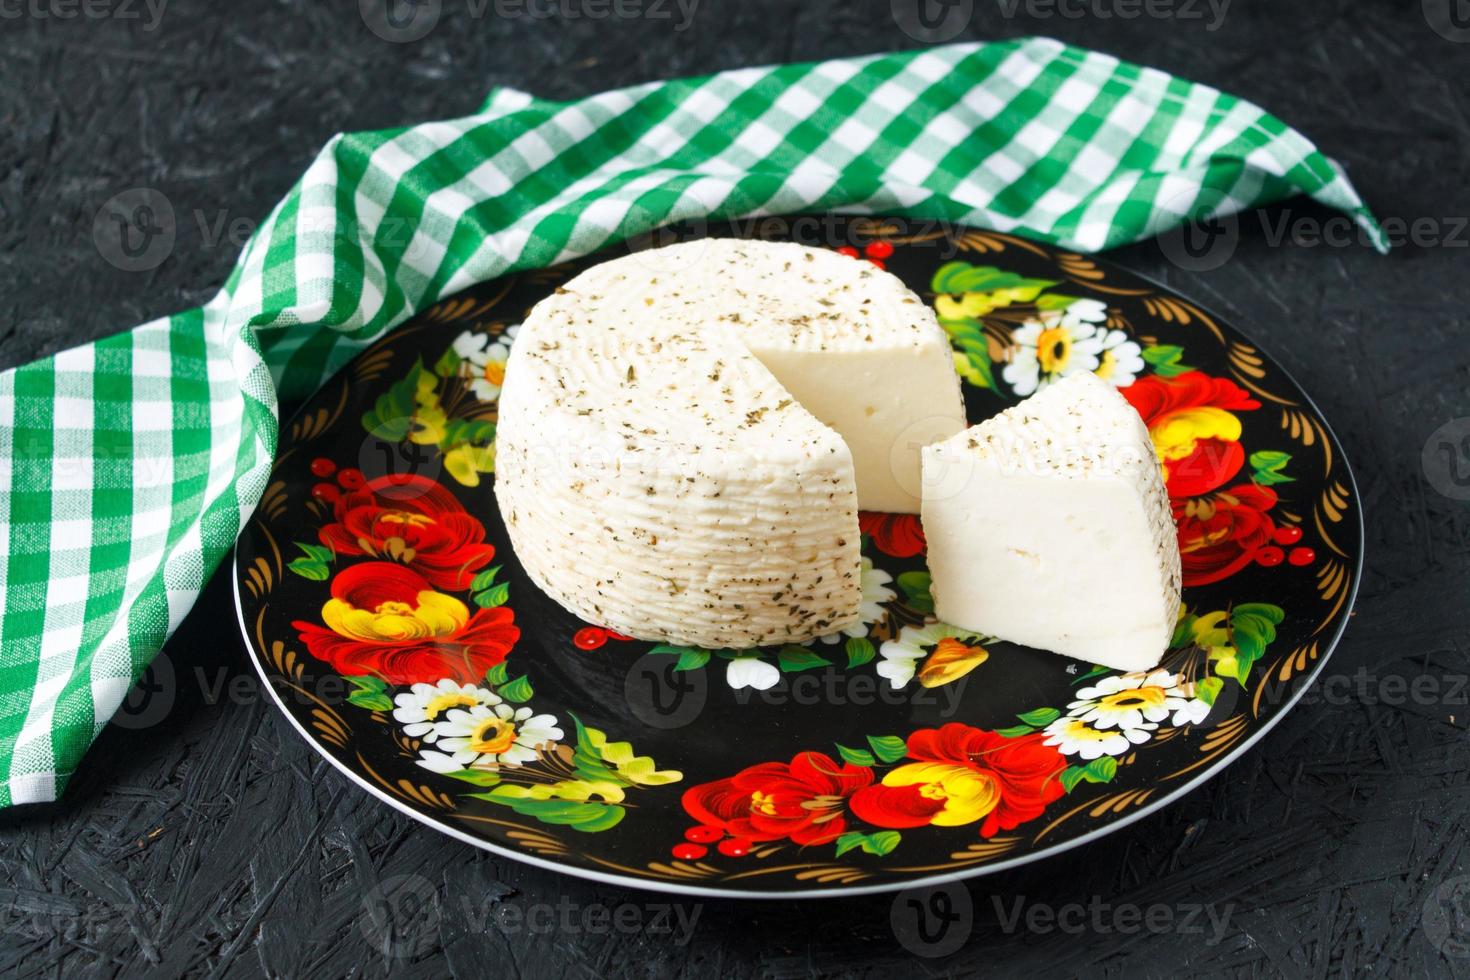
205 836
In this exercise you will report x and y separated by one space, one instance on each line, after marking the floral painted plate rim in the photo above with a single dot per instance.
1090 273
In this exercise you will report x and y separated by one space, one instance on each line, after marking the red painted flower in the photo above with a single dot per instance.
1190 420
804 800
386 620
414 521
1219 534
961 775
899 535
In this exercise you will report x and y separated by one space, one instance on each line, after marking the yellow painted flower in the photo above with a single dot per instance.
429 615
968 794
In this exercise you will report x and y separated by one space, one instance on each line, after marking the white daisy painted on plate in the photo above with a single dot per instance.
751 672
1129 701
1121 360
422 705
1055 344
1073 736
875 594
483 361
488 735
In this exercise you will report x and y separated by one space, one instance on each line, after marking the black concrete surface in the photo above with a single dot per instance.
214 841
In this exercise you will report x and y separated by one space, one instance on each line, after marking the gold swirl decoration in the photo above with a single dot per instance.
312 424
406 789
1172 309
1216 742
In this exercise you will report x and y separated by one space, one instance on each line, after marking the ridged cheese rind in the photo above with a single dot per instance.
1049 525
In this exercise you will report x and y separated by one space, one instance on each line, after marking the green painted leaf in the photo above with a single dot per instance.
859 651
308 569
793 658
479 777
1097 771
484 580
915 588
692 659
587 816
371 700
314 561
1209 689
962 277
496 595
517 691
448 363
1040 717
459 432
1253 628
367 682
1164 358
880 843
1096 671
497 675
1055 301
392 414
1183 632
888 748
1071 776
1015 731
856 756
1267 466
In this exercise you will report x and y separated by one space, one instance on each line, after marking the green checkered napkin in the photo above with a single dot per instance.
128 466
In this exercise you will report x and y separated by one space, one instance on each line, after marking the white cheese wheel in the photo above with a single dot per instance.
1049 525
662 463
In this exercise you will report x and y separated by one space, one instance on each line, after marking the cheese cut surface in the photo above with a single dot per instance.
1049 526
662 463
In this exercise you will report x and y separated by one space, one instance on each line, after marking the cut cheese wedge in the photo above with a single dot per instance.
680 456
1049 526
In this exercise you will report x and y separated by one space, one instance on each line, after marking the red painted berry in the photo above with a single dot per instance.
589 638
613 635
1302 556
878 250
690 852
704 834
321 466
1270 556
734 847
1287 535
879 263
352 479
326 492
848 251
